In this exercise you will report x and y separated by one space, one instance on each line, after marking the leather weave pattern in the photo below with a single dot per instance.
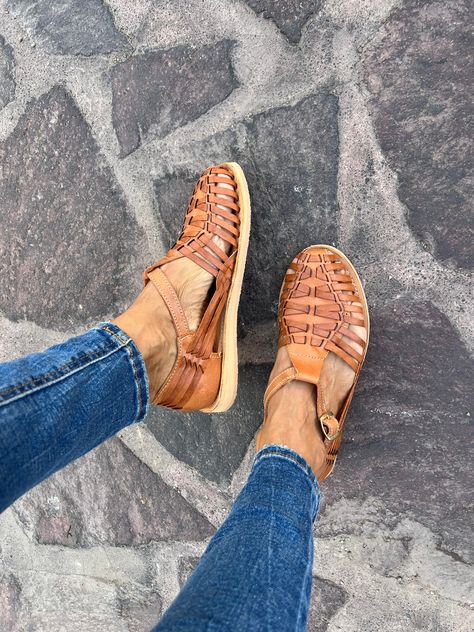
318 303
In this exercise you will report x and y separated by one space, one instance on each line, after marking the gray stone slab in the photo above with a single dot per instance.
54 602
68 27
409 429
131 505
7 73
326 599
139 607
186 566
290 158
10 592
293 184
214 444
289 15
158 91
69 247
420 74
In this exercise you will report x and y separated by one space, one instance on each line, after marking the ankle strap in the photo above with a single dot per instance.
330 426
276 383
167 292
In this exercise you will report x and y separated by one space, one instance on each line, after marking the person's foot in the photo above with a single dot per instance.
193 269
310 379
291 418
291 412
148 321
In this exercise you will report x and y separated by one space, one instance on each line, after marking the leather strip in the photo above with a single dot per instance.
164 287
277 382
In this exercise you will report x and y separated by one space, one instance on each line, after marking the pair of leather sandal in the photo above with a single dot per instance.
321 302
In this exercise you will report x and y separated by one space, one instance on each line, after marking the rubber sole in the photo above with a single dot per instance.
230 361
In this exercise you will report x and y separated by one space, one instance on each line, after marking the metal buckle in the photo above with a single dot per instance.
322 419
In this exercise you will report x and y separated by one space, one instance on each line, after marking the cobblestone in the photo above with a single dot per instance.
351 119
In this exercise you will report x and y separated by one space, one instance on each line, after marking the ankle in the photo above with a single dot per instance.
303 441
148 322
291 422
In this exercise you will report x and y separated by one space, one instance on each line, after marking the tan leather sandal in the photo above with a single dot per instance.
204 376
320 297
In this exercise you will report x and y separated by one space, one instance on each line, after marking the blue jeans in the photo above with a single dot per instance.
256 572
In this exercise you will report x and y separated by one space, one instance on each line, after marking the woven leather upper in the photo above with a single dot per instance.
318 302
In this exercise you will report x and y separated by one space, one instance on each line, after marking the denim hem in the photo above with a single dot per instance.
283 452
32 385
136 362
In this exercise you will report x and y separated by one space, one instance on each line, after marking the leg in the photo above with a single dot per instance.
256 572
57 405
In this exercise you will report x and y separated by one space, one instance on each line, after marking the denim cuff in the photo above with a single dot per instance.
289 455
121 339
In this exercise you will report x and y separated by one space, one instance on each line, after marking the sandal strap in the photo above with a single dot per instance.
318 302
330 425
277 382
168 294
212 210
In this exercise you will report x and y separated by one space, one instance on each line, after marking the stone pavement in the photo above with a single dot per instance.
352 119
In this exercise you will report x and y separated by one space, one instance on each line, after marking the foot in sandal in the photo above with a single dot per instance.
323 338
185 320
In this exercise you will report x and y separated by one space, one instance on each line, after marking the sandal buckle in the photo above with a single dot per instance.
325 427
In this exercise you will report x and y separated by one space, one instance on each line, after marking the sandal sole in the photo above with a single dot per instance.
229 374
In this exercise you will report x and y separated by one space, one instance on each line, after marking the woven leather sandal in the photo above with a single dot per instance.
204 376
320 297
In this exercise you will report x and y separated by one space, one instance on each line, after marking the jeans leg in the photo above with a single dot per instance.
57 405
256 572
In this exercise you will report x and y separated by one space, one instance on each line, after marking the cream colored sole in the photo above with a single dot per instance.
229 376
